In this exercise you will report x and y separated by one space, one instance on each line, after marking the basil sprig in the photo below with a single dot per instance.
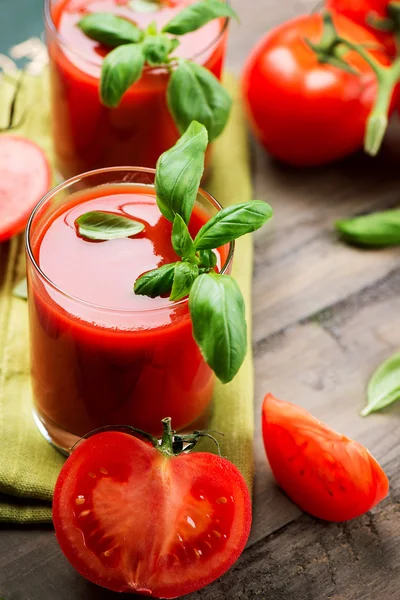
378 230
101 226
193 93
215 301
384 386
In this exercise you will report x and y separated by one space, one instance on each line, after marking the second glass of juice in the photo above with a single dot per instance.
88 135
100 354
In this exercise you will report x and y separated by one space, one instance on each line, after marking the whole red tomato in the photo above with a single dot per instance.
144 518
323 472
306 113
361 11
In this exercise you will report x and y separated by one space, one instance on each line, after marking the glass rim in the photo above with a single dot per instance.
69 182
67 44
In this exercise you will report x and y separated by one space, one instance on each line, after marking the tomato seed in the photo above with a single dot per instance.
208 544
216 533
103 471
92 475
84 513
222 500
108 553
80 500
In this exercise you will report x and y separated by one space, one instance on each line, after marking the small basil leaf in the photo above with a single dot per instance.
156 48
121 68
179 172
155 283
384 386
195 94
181 239
144 6
21 290
231 223
196 15
184 277
376 230
110 30
219 325
102 226
208 259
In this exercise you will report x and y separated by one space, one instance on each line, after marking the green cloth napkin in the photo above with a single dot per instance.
28 464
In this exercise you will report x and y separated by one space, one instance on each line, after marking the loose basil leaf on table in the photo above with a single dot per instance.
109 29
21 290
217 311
196 15
377 230
195 94
184 277
157 48
121 68
102 226
231 223
179 172
157 282
182 241
384 386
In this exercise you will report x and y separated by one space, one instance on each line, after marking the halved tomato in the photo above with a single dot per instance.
136 517
325 473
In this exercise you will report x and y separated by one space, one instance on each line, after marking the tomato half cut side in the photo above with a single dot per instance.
25 177
324 472
131 519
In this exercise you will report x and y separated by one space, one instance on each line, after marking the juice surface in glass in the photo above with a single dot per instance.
88 135
100 354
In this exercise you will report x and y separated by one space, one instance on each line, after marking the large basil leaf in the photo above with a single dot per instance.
102 226
231 223
195 94
155 283
179 172
219 325
109 29
184 277
121 68
196 15
384 386
376 230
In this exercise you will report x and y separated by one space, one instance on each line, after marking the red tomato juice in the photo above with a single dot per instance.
88 135
100 354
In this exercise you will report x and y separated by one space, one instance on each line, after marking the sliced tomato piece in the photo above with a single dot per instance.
132 519
325 473
25 177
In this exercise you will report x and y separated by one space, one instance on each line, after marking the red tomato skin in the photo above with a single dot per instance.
359 11
325 473
18 223
162 486
305 113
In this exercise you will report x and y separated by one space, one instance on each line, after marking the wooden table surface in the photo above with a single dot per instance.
325 315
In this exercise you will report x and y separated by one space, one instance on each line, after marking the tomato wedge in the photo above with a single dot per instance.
325 473
136 518
25 177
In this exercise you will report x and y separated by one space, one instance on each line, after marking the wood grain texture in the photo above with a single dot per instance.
325 315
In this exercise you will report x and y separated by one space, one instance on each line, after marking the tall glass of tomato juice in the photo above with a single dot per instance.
88 135
101 355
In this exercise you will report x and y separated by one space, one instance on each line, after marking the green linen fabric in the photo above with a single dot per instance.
28 464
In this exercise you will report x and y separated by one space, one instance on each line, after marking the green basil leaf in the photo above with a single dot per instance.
110 30
157 48
208 259
121 68
184 277
157 282
102 226
179 172
231 223
384 386
195 94
182 241
219 324
196 15
144 6
21 290
376 230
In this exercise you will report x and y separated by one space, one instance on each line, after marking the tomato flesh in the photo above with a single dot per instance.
24 178
133 520
325 473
